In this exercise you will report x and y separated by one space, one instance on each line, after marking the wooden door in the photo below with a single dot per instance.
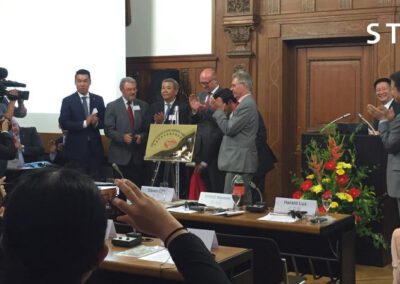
330 81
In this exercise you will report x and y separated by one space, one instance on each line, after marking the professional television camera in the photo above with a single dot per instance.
22 95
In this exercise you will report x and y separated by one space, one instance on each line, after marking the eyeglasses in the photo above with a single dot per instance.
206 83
298 214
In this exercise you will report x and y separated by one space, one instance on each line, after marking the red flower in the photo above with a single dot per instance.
354 192
330 165
297 194
341 180
326 194
356 217
306 185
321 209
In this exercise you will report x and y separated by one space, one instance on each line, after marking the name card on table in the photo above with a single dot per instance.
284 205
208 237
162 194
219 200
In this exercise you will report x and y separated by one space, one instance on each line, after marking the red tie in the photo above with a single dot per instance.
130 115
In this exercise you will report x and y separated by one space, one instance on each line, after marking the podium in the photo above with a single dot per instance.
370 152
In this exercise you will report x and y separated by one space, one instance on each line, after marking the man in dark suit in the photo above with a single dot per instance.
209 136
82 114
163 112
28 142
125 125
238 152
384 96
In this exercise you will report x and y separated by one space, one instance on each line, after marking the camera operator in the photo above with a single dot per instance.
19 111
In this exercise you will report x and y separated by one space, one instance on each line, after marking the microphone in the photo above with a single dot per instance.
176 114
254 186
7 83
335 120
370 127
116 168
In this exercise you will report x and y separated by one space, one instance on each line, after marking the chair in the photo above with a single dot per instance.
268 265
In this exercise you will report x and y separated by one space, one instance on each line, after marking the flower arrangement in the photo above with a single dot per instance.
332 173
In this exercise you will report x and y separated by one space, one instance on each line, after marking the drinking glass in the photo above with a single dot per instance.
326 203
236 199
163 189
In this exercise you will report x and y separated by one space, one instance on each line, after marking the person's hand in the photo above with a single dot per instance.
159 118
199 168
217 103
5 124
138 139
194 102
145 213
380 112
52 146
128 138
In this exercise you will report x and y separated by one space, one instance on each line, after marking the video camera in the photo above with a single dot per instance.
22 95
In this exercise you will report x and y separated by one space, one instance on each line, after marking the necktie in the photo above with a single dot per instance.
168 109
85 105
130 115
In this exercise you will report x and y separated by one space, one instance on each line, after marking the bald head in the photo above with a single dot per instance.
208 79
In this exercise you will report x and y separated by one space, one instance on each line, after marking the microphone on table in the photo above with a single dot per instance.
116 168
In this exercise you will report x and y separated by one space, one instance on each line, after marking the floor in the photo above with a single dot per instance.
364 274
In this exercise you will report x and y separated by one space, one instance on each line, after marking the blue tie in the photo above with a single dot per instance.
85 106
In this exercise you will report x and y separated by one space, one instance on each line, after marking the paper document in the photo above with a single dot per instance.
274 217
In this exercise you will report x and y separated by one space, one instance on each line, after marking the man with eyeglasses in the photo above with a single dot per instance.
209 136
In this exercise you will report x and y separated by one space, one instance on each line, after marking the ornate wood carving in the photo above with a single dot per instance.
238 6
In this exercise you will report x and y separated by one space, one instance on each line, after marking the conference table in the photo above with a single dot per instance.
116 268
325 249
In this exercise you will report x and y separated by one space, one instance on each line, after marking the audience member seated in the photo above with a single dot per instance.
54 229
28 143
56 150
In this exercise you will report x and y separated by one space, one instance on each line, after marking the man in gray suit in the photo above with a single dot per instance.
389 129
238 153
125 125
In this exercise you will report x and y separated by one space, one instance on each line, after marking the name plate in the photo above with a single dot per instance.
162 194
284 205
219 200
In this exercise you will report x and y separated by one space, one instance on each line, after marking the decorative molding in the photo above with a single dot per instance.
345 4
238 6
239 67
274 7
328 29
240 36
308 5
384 2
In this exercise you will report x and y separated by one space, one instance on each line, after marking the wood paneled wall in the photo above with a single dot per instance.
263 37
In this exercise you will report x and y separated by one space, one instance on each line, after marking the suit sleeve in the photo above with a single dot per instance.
7 148
390 134
34 146
110 121
195 262
240 119
66 116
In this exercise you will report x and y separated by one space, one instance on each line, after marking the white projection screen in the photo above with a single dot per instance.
44 42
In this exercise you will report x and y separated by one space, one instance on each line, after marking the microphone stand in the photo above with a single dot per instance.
177 183
370 127
335 120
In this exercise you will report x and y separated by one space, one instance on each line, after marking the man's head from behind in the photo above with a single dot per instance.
54 227
227 97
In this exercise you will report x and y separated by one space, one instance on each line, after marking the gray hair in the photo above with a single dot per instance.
126 80
244 78
174 83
